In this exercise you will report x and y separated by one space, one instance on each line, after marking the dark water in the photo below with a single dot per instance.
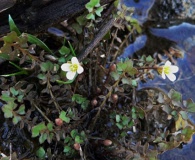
154 39
183 38
158 36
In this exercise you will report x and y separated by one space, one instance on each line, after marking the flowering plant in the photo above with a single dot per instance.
72 68
168 70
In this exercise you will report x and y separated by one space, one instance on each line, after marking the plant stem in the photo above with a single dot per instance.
142 68
40 111
52 96
105 99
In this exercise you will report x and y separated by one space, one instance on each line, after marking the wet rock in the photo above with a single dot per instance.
188 9
162 11
141 8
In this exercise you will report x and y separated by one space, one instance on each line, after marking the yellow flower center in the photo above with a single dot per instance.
167 69
74 67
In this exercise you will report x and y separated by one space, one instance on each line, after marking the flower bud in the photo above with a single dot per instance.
77 146
112 67
115 98
94 102
107 142
58 121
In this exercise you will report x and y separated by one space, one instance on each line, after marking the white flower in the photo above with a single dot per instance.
168 70
72 68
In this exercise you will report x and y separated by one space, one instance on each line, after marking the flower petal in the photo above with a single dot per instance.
163 75
174 69
65 67
80 69
171 76
70 75
74 60
168 63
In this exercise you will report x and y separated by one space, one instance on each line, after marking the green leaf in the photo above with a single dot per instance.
64 117
67 139
167 109
40 152
126 80
91 4
158 139
50 126
85 104
121 66
42 76
180 123
97 3
125 120
64 50
98 11
81 20
6 97
133 109
47 66
90 16
13 91
21 110
78 139
34 40
15 65
72 50
184 115
62 60
38 128
13 26
89 7
136 25
129 63
174 95
83 135
187 132
116 3
8 109
50 137
190 105
134 115
73 133
20 98
23 72
78 98
118 118
134 83
138 28
132 71
67 149
115 75
140 113
16 119
149 59
77 28
4 56
119 126
123 134
130 124
11 37
42 137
